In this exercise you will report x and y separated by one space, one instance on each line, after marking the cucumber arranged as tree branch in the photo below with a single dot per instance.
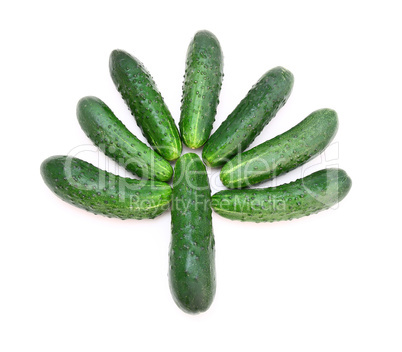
80 183
282 153
248 119
309 195
201 88
140 93
107 132
192 249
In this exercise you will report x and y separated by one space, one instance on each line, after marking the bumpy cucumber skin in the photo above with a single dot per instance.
97 191
140 93
309 195
192 249
248 119
282 153
107 132
201 88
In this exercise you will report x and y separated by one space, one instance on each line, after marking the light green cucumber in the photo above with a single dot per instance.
201 88
107 132
82 184
248 119
309 195
140 93
282 153
192 249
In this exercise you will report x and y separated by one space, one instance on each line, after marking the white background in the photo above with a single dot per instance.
73 281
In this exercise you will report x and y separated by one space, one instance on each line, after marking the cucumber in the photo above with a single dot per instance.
192 248
282 153
248 119
107 132
309 195
97 191
140 93
201 88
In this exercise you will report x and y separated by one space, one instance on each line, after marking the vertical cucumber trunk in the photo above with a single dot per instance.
102 126
140 93
201 88
192 253
248 119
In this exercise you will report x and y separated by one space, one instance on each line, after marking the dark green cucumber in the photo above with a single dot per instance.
282 153
248 119
107 132
201 88
192 248
100 192
309 195
140 93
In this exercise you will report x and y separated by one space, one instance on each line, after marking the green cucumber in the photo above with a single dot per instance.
201 88
107 132
309 195
140 93
100 192
192 248
282 153
248 119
